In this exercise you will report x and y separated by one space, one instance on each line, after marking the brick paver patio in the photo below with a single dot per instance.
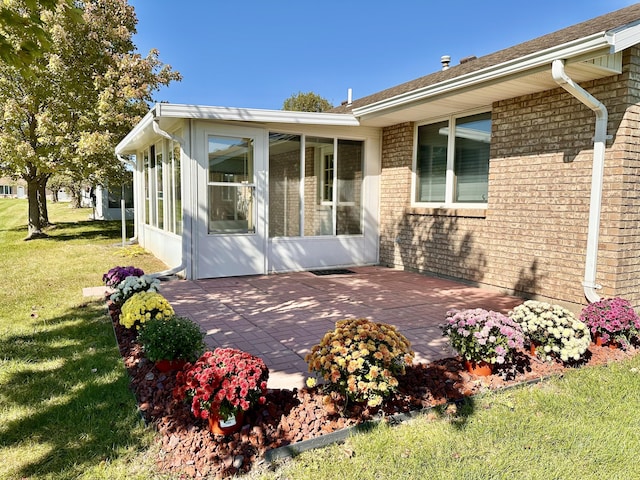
281 317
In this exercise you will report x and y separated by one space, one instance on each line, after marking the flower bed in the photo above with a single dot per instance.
293 416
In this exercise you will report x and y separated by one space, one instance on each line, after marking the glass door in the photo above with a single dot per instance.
231 240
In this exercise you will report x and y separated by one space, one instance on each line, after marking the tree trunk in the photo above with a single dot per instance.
42 200
76 195
35 224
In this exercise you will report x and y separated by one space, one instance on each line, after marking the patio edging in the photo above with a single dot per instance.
295 449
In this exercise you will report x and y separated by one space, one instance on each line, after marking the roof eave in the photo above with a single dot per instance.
123 148
200 112
255 115
577 48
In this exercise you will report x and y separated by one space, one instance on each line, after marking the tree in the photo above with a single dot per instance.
65 113
23 37
306 102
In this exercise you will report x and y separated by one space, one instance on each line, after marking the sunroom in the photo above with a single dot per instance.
226 192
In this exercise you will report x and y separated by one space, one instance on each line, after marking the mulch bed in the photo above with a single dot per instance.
290 416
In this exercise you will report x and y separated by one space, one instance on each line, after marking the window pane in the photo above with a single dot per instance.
471 164
318 211
230 159
349 210
159 190
284 185
145 179
231 209
177 205
431 162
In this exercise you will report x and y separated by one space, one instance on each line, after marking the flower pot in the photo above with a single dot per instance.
480 369
532 348
225 427
597 339
166 366
612 344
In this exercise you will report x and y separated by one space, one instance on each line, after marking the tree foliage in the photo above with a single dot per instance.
306 102
66 112
23 36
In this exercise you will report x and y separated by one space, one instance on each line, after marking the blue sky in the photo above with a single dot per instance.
256 53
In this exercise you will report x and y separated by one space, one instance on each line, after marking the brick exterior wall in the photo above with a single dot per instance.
531 239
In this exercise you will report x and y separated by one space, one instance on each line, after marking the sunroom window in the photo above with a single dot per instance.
452 161
315 185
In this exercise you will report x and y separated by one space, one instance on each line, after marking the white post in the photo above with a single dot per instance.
124 218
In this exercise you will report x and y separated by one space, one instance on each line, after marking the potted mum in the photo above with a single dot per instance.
171 342
221 385
361 360
144 306
612 321
552 330
117 274
483 338
132 285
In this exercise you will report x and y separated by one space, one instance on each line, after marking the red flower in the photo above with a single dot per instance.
226 379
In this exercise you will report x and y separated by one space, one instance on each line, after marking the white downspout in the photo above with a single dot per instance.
182 266
599 145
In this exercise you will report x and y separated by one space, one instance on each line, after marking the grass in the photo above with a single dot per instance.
584 425
65 407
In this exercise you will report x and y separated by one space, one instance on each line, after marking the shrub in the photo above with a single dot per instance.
144 306
612 319
226 380
361 359
132 285
117 274
483 336
553 329
174 338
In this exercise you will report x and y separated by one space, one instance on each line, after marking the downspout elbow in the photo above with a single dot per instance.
170 136
170 272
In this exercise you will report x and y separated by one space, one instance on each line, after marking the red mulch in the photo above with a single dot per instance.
290 416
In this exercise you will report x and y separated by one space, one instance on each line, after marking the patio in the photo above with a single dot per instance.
281 317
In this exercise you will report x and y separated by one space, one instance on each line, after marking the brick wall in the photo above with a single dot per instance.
532 237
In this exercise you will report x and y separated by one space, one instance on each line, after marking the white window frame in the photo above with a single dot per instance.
450 175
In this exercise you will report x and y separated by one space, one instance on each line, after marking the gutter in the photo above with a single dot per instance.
599 144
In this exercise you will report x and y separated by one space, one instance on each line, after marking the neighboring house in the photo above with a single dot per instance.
108 202
10 188
503 171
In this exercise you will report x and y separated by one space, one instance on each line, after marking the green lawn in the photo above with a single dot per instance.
65 407
585 426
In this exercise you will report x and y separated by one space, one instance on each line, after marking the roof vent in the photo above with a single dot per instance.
467 59
446 61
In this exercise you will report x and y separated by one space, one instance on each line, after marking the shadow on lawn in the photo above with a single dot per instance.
90 229
70 376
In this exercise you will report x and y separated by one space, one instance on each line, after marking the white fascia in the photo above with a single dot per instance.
580 47
135 132
624 37
255 115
